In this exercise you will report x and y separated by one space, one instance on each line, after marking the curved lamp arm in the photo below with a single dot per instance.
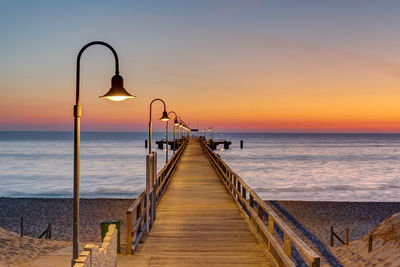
176 116
78 63
157 99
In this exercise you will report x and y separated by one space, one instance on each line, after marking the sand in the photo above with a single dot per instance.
317 218
17 251
385 246
39 212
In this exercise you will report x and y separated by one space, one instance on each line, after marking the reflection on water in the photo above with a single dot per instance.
40 164
339 167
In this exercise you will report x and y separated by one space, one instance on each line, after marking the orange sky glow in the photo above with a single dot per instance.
233 71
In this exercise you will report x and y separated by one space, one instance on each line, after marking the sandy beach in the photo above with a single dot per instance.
39 212
315 217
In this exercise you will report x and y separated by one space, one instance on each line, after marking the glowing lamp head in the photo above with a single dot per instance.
117 91
176 123
164 116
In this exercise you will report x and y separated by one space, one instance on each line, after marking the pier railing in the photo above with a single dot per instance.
279 239
136 219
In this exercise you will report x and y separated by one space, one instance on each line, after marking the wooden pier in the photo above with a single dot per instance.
207 216
214 143
160 143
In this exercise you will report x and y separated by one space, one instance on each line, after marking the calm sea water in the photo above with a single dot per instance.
335 167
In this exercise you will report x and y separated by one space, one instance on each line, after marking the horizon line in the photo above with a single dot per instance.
222 131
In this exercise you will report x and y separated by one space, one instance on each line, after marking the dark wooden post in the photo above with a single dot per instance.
347 237
241 144
370 239
251 200
145 143
129 233
22 226
331 240
259 211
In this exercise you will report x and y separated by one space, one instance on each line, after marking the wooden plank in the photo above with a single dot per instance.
198 222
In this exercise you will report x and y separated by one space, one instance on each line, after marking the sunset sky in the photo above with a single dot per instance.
269 66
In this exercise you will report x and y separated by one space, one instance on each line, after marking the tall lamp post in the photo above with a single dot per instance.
164 117
175 124
180 127
116 93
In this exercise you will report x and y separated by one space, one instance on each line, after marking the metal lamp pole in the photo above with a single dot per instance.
163 118
174 126
116 93
180 127
166 142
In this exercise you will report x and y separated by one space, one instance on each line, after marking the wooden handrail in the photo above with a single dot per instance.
136 213
255 208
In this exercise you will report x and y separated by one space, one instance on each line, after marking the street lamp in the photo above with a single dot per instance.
175 124
181 128
117 92
164 117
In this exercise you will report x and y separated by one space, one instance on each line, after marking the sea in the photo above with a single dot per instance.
278 166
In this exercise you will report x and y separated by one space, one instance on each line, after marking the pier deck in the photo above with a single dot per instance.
198 222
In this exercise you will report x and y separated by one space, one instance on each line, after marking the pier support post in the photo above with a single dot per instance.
145 143
241 144
154 187
149 169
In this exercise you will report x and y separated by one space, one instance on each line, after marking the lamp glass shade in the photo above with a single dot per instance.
117 91
164 116
176 123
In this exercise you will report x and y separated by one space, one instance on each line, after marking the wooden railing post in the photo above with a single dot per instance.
315 262
259 211
251 200
287 245
370 239
271 225
234 186
128 232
